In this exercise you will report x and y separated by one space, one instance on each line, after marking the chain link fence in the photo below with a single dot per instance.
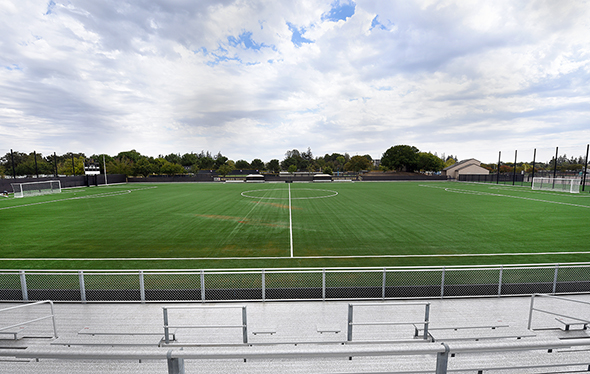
293 284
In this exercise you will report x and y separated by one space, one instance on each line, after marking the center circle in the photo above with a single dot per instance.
321 194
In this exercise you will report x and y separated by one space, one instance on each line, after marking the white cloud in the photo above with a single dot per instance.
165 76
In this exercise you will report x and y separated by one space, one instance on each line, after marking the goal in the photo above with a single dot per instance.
556 184
36 188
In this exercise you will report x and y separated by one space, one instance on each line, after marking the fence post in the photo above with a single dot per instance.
442 283
555 278
82 287
426 320
442 360
23 286
263 286
384 280
166 331
531 311
175 365
349 333
500 281
323 284
202 286
141 287
244 325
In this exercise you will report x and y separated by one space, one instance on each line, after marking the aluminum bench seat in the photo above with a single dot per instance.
109 340
126 330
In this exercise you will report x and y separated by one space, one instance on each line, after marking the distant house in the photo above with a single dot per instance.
469 166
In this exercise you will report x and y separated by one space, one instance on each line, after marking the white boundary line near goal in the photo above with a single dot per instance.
95 196
482 193
296 257
290 222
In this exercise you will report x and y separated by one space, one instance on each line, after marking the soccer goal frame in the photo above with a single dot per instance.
36 188
571 185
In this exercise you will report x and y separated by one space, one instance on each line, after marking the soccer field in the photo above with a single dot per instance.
274 225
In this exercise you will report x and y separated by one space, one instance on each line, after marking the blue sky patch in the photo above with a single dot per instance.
297 37
50 7
245 41
340 11
377 24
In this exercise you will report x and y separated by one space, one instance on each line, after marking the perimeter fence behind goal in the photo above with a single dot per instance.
293 284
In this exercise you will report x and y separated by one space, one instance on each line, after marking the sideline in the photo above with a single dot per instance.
481 193
296 257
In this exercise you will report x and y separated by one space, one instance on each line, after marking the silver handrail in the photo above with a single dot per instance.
243 326
533 309
52 315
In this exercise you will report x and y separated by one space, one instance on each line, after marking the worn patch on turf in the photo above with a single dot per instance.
245 221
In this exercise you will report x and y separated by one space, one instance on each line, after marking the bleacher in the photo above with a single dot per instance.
483 335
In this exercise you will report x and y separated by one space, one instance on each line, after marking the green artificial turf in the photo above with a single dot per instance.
248 225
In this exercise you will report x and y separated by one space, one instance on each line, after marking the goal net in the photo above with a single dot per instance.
36 188
556 184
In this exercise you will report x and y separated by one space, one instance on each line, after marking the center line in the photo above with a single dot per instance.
290 221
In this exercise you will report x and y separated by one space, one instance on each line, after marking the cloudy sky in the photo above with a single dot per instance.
253 79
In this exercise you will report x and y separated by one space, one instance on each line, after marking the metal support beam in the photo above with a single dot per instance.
141 287
442 283
23 286
442 360
384 283
202 285
82 287
323 284
175 365
263 285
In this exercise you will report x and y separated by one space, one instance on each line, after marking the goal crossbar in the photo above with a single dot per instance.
36 188
571 185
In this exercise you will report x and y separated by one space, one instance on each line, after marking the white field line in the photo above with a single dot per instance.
283 258
290 222
471 192
95 196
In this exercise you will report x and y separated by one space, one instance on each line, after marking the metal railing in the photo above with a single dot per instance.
574 319
243 326
51 315
294 284
351 322
443 353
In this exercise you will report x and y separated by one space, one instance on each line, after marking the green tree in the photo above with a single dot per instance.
292 169
131 155
189 159
257 164
220 160
274 166
358 163
242 164
224 170
328 170
206 163
401 158
143 167
170 168
120 166
173 158
450 161
429 162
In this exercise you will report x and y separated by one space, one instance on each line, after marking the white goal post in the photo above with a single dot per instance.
36 188
571 185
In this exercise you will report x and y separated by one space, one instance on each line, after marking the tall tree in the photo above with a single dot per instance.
358 163
429 162
401 158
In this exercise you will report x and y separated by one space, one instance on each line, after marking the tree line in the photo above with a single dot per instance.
401 158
